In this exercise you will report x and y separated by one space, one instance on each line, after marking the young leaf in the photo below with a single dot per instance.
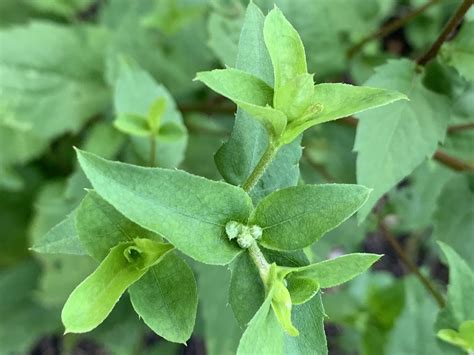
341 100
296 217
249 93
156 112
101 227
464 338
240 154
333 272
171 131
301 289
92 301
133 124
187 210
166 298
393 140
282 305
61 239
285 48
295 96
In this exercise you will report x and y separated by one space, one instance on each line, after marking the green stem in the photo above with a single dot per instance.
260 262
262 165
152 150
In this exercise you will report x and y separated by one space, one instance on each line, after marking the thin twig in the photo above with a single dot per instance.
452 162
406 260
460 127
152 151
448 29
390 27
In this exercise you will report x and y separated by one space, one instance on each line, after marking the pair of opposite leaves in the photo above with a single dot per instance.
294 104
191 212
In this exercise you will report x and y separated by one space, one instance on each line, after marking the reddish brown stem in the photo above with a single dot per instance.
453 22
410 264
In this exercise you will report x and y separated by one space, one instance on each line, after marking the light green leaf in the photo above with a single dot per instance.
237 85
285 48
187 210
61 239
393 140
464 338
240 154
94 298
166 298
171 131
132 124
333 272
249 93
296 217
295 96
263 335
156 112
301 289
341 100
101 227
459 53
460 291
281 302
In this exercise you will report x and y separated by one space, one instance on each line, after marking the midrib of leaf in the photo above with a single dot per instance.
170 314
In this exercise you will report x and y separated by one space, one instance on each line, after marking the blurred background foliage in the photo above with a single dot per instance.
62 81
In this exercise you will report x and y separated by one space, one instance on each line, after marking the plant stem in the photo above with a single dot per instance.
261 166
448 29
260 262
406 260
152 150
460 127
390 27
452 162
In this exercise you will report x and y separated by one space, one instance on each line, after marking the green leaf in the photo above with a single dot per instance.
460 291
136 92
341 100
101 227
132 124
94 298
264 334
296 217
285 48
221 330
187 210
333 272
301 289
249 93
464 338
166 298
240 154
171 131
51 72
459 53
281 302
156 112
413 330
246 290
61 239
393 140
295 96
454 217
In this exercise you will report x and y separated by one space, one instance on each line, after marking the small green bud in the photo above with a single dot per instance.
233 229
245 240
255 232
